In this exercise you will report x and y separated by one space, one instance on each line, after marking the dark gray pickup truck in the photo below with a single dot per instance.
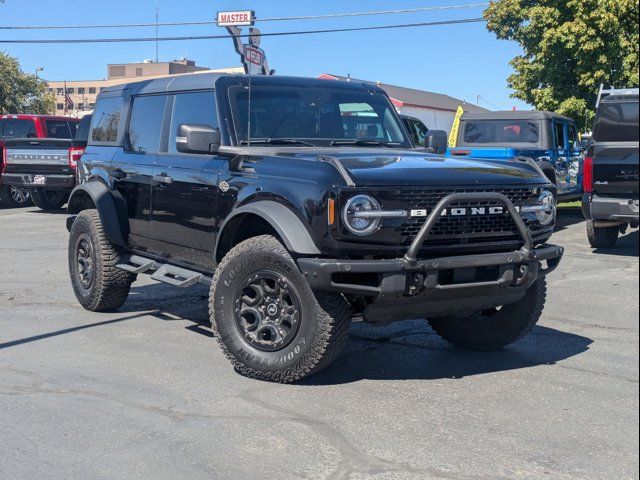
610 201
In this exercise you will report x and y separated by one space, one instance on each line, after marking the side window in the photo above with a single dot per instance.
419 132
106 119
145 125
197 108
573 137
558 129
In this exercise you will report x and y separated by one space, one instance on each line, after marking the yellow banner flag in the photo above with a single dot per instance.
453 136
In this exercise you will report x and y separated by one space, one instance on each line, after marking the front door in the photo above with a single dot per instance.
132 167
185 187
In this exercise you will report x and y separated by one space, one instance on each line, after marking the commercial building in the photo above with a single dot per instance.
436 110
83 93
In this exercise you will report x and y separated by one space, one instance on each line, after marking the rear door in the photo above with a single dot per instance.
185 187
132 167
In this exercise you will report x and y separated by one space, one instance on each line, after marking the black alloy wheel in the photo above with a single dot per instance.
267 311
85 261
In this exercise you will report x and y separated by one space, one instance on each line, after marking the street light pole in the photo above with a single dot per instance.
38 69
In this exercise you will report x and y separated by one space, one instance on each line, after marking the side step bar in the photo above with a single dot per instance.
163 272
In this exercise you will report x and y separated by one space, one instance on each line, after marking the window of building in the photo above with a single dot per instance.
92 90
138 72
59 106
192 108
117 71
80 106
71 90
145 125
106 120
60 91
80 90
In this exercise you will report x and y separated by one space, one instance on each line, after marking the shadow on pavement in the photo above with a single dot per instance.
568 216
412 351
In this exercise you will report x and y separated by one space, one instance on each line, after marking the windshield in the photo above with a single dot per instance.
315 117
617 122
501 131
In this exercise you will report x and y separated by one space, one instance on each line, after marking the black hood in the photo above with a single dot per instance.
378 167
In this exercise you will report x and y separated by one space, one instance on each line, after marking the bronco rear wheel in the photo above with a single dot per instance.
268 321
497 327
97 283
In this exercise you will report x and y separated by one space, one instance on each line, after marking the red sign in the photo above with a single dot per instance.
253 55
240 18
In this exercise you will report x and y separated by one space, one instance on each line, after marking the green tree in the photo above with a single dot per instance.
21 92
569 48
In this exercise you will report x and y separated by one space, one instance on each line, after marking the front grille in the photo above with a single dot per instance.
461 229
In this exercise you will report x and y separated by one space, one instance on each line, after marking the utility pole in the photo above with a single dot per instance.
157 31
38 69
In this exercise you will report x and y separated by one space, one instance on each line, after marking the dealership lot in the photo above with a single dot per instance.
146 393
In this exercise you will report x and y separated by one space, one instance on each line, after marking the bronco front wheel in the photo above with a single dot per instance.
497 327
269 322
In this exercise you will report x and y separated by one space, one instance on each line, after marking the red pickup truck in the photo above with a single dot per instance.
29 127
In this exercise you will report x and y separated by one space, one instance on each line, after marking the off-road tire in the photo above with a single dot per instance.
495 330
110 285
602 237
7 197
49 199
324 321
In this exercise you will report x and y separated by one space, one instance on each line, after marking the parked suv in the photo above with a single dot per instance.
548 138
26 140
610 202
301 218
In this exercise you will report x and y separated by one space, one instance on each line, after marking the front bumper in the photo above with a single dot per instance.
404 288
46 181
607 211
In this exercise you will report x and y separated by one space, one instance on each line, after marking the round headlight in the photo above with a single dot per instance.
357 215
547 215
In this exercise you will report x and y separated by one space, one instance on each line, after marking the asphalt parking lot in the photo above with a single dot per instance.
145 392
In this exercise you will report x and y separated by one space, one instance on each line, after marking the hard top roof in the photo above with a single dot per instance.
201 81
516 115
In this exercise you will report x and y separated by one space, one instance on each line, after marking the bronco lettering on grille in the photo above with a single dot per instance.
461 211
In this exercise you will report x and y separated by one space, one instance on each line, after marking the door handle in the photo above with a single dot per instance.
163 178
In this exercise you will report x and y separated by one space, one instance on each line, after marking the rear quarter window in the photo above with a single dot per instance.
616 122
105 122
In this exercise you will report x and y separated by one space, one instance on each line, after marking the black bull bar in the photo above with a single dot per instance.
411 280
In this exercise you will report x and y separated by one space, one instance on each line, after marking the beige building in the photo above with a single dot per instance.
83 93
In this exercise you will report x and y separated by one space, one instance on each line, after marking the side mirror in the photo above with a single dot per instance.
436 141
197 139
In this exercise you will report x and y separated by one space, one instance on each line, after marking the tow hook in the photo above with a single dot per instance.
415 284
523 273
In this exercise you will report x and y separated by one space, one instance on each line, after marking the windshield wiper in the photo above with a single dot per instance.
276 141
361 142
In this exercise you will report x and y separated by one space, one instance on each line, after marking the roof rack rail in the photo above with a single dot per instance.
605 92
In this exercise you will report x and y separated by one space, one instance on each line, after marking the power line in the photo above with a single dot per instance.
219 37
275 19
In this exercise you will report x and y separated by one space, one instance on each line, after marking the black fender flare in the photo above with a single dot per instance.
285 222
111 209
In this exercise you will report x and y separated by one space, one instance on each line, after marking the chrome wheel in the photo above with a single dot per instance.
267 310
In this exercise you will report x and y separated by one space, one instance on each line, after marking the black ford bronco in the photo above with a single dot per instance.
303 205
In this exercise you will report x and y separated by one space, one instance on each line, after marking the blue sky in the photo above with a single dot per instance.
460 60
